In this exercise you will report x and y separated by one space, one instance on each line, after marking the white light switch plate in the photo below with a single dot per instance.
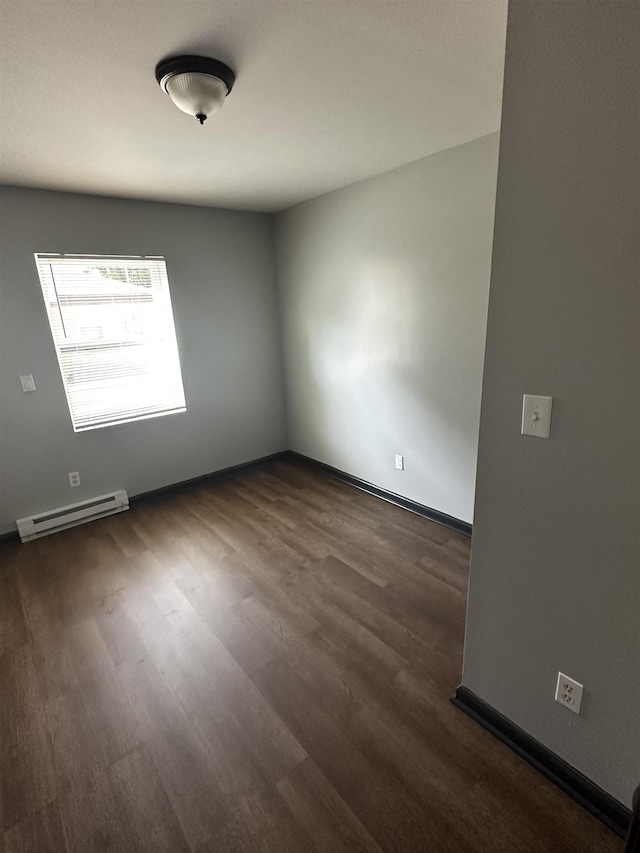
536 415
27 383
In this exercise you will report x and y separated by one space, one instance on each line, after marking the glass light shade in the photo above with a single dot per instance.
195 93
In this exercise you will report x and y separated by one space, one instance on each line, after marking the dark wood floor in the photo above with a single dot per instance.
259 664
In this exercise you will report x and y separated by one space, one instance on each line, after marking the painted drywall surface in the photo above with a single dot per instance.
221 273
383 292
555 575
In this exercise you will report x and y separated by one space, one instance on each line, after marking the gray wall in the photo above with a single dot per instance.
383 291
221 274
555 576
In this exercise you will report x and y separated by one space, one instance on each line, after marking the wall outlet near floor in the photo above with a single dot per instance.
569 692
74 478
399 462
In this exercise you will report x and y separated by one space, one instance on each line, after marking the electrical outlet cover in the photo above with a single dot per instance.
569 692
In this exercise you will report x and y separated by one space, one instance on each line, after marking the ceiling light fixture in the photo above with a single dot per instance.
197 85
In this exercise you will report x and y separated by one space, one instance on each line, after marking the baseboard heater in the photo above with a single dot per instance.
71 515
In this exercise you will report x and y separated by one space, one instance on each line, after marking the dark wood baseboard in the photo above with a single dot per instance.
11 536
222 474
419 509
183 485
581 789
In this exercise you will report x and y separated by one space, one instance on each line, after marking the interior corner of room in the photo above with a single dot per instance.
387 327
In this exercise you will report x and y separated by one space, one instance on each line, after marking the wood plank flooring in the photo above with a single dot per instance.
259 664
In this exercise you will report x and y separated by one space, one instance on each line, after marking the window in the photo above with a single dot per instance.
113 329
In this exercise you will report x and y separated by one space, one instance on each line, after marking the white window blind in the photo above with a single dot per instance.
113 329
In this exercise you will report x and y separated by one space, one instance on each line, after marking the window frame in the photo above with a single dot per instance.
167 338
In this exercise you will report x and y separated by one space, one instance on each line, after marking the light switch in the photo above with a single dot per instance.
27 383
536 415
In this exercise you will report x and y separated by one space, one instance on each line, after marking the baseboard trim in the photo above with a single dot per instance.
222 474
581 789
419 509
183 485
412 506
11 536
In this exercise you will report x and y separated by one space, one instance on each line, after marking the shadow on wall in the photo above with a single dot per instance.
372 376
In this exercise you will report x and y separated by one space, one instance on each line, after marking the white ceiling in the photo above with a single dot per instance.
327 93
